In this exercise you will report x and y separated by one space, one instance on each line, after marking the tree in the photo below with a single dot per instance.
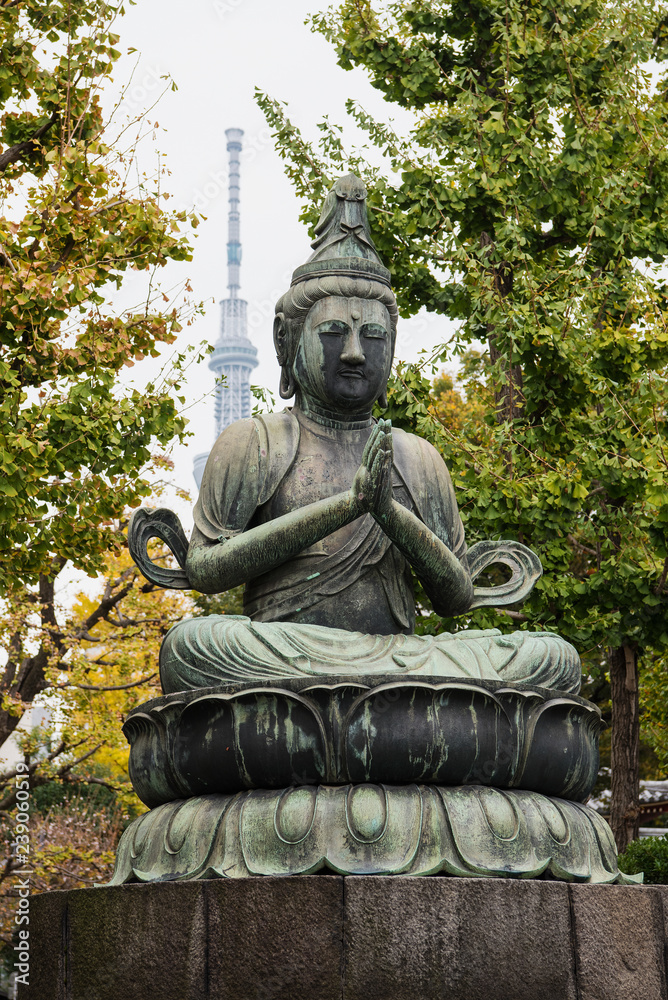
75 444
77 764
110 665
528 203
654 706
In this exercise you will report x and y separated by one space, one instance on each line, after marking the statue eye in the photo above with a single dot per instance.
374 330
334 326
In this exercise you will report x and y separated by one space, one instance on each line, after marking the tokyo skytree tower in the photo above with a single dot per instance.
234 356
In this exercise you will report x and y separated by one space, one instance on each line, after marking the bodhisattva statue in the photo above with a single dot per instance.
318 730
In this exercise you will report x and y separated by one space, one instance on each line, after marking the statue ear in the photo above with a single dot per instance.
382 400
281 343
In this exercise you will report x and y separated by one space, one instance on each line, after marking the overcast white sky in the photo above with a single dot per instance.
218 51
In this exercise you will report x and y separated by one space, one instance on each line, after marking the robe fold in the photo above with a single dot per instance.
249 462
264 450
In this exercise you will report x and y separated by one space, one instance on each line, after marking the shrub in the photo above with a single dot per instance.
649 855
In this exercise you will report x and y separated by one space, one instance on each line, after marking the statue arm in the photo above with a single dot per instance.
446 580
214 567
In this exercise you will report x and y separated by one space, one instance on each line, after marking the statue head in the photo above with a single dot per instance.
335 328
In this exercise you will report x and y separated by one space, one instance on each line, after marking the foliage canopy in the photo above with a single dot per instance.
73 222
77 217
528 204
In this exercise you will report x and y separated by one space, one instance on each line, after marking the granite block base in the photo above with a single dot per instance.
354 938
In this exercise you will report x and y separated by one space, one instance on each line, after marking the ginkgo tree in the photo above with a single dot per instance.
528 204
76 216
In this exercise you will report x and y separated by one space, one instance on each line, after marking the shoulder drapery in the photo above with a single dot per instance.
429 485
247 464
243 471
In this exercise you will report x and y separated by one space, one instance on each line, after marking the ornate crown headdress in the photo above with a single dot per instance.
343 244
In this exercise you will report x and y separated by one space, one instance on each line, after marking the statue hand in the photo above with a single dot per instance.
372 486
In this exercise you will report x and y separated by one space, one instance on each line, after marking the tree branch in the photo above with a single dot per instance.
15 153
108 602
68 767
662 579
583 548
516 616
89 780
6 259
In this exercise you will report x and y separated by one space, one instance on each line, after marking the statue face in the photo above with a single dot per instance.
345 353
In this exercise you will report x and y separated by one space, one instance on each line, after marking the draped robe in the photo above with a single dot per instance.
243 485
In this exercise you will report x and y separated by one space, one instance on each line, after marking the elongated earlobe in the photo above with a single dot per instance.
286 387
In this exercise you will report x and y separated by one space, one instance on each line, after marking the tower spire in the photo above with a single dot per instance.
234 136
234 357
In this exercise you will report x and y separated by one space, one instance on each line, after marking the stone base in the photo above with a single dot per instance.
353 938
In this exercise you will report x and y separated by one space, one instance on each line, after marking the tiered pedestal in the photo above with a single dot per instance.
369 782
354 938
389 775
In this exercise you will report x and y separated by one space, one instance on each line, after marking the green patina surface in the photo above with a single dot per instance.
382 729
371 830
334 737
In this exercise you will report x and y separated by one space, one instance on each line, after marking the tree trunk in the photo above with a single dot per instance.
625 748
508 396
24 677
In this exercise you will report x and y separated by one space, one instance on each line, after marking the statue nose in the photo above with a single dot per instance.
352 349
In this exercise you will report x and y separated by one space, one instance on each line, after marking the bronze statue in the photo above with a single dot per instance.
324 513
318 730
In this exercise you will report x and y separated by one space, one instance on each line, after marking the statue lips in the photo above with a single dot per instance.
354 382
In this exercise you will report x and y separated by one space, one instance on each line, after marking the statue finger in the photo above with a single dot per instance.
388 450
386 435
377 447
377 468
371 441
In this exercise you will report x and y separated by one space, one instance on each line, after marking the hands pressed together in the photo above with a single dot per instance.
214 568
372 485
